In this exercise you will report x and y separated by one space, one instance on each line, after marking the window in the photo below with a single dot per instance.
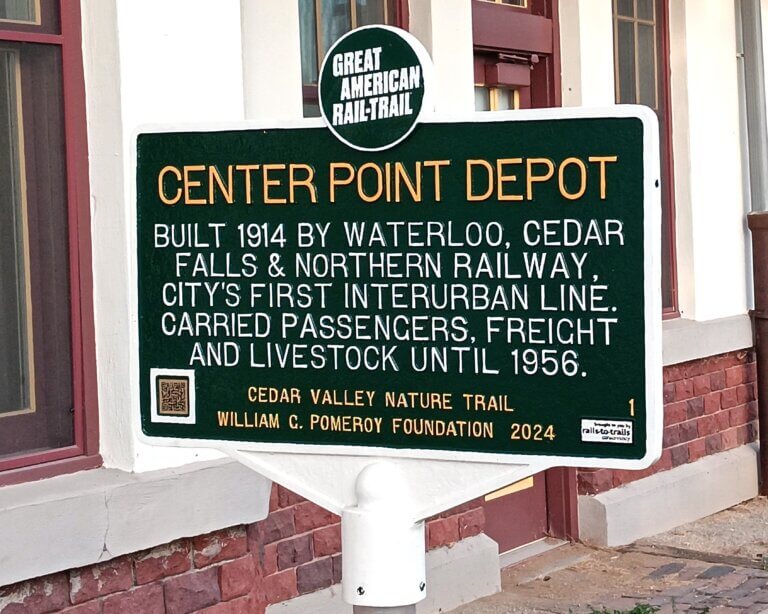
496 98
20 11
322 23
518 3
641 73
46 379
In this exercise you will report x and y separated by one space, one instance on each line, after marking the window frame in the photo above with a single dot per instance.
352 16
309 93
524 6
663 91
84 452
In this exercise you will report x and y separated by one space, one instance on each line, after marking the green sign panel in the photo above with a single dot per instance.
485 290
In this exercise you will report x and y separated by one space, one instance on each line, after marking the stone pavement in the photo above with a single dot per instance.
713 565
741 531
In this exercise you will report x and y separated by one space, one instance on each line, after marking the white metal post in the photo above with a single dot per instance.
406 609
383 559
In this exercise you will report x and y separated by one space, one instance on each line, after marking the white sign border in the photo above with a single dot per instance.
651 286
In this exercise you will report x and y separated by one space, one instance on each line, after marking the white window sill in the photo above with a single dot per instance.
685 340
95 515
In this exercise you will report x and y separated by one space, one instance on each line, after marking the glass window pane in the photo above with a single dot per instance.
504 99
335 20
308 36
667 298
15 312
311 109
646 65
626 68
482 98
27 11
370 12
645 9
520 3
625 8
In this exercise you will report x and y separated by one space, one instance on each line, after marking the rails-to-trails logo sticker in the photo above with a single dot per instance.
373 87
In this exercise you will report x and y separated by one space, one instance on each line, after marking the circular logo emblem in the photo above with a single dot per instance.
372 86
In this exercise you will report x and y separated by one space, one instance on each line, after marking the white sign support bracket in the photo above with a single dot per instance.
383 503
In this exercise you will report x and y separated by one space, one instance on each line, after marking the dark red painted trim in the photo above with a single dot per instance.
496 28
402 16
309 93
18 36
673 310
505 73
562 503
525 97
48 456
555 70
83 335
479 62
49 469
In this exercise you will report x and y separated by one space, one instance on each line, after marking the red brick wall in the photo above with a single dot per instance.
709 406
240 570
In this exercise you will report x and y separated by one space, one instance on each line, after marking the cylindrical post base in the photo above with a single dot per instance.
403 609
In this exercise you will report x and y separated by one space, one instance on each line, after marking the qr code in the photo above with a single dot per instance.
173 396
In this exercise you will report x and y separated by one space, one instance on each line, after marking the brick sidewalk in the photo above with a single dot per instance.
718 589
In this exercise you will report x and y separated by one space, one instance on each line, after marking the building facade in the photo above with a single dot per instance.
93 520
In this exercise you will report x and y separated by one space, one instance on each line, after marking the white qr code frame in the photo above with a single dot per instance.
155 415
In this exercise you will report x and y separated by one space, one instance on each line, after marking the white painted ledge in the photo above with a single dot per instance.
685 340
456 575
669 499
79 519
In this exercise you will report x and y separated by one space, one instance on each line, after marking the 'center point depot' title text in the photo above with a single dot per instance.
504 180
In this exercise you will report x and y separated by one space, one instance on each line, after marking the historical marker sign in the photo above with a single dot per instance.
486 289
